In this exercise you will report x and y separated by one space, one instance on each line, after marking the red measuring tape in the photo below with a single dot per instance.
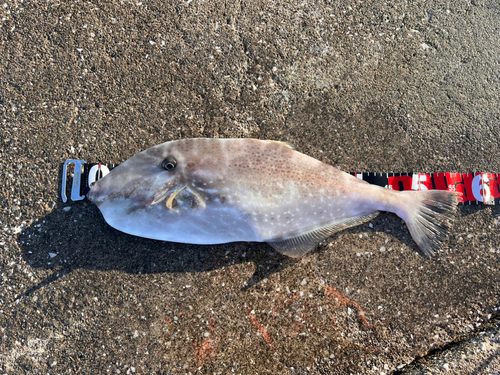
477 187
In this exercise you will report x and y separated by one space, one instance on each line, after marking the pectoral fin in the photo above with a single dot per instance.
198 200
185 198
171 199
297 246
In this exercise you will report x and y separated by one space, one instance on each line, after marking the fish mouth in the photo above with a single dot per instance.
92 194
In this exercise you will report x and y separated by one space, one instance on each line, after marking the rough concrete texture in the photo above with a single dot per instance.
479 353
365 86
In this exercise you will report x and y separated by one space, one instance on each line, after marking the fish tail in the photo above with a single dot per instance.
428 215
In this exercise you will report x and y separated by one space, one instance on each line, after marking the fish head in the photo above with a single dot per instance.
180 191
157 177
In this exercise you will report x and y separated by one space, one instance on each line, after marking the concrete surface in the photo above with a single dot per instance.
365 86
477 353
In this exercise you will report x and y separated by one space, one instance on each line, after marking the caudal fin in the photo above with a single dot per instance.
429 216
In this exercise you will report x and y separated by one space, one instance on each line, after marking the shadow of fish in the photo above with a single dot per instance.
211 191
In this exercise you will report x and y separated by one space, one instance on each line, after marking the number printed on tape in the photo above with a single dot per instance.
475 187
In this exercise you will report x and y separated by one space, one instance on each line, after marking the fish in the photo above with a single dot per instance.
213 191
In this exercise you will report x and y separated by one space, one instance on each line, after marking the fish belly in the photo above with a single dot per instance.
214 225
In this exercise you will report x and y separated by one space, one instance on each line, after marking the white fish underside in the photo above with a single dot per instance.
226 190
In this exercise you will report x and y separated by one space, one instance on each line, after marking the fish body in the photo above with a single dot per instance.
211 191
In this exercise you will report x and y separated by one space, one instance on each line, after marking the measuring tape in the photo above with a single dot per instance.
83 175
477 187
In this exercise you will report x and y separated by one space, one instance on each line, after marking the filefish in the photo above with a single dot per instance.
212 191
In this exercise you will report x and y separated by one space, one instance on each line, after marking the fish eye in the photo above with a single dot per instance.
169 163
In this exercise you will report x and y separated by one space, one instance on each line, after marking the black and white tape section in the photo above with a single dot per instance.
84 174
476 187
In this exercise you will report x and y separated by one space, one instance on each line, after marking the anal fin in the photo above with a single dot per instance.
300 244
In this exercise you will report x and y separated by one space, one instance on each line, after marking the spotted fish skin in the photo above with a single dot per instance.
226 190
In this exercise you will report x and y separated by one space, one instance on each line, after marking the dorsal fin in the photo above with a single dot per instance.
297 246
286 144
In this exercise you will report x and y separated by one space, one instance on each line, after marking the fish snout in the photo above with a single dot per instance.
93 194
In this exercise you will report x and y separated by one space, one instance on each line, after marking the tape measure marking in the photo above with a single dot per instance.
475 187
